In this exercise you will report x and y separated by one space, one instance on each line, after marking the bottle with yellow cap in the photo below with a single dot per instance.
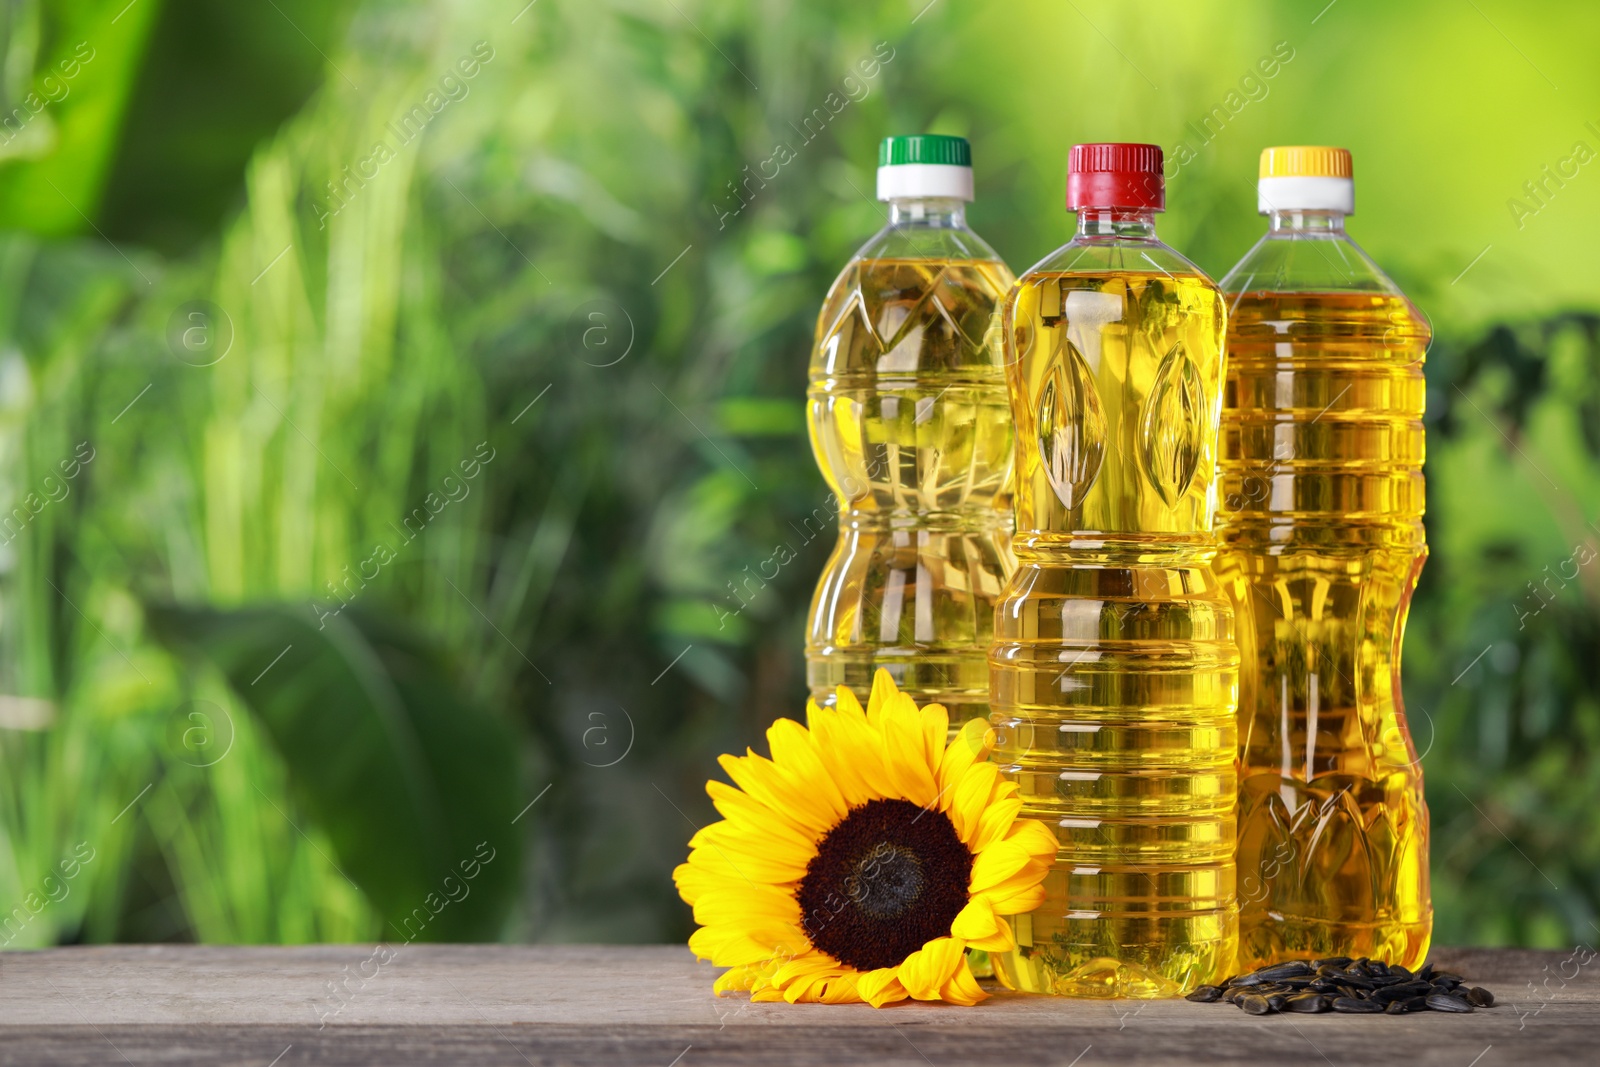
1322 447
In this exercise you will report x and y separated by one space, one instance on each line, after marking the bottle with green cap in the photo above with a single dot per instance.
910 423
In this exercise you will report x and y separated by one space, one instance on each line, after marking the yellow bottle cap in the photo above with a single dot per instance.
1305 161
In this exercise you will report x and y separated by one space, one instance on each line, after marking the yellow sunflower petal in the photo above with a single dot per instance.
845 700
809 976
737 946
1034 837
907 760
1018 897
981 928
962 988
1022 889
736 980
883 690
764 780
970 746
753 844
737 806
805 963
794 754
993 825
739 866
997 863
935 728
730 903
852 752
925 972
843 989
693 881
881 987
971 798
866 739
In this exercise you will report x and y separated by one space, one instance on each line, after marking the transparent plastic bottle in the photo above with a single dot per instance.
910 425
1322 524
1113 673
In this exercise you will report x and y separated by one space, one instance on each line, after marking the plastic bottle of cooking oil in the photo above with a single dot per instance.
1322 525
1114 669
910 425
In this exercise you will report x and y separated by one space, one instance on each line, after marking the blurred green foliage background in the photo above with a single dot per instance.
448 311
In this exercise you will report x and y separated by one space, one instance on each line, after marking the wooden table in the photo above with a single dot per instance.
537 1005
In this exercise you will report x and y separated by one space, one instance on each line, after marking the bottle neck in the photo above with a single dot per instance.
932 212
1307 223
1124 224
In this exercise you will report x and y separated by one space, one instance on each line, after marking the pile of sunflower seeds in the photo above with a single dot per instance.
1354 987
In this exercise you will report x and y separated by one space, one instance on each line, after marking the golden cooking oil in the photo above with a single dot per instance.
1114 667
911 427
1323 505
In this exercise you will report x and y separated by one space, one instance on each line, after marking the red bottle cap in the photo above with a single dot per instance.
1116 176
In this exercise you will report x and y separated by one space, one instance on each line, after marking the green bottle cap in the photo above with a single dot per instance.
936 148
925 165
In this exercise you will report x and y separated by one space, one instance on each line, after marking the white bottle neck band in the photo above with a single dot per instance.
924 179
1306 194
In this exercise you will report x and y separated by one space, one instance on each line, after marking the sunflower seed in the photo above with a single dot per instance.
1404 991
1352 987
1405 1007
1309 1003
1352 1006
1254 1005
1448 1002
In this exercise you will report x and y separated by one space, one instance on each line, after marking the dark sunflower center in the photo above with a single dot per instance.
887 879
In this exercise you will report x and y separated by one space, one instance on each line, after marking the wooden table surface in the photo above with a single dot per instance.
652 1005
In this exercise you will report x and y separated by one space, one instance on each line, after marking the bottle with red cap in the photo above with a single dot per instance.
1114 669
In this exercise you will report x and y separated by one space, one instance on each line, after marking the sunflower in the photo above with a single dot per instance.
863 859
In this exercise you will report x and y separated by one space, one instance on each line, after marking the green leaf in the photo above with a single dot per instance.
415 786
63 132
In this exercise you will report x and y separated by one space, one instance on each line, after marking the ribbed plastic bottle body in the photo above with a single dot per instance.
911 427
1113 672
1322 528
